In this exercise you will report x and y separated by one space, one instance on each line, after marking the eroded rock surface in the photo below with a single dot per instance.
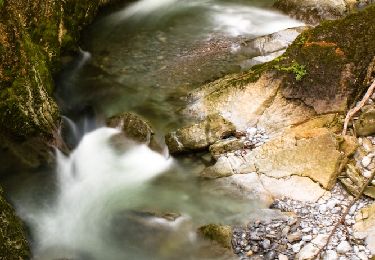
314 11
199 136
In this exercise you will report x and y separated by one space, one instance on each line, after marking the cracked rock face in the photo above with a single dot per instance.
314 154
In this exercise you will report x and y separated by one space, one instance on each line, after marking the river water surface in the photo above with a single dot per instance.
102 203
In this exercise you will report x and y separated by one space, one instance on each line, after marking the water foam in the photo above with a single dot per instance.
239 20
89 180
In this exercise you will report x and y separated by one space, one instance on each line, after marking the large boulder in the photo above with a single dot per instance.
322 72
200 135
316 156
314 11
33 35
13 243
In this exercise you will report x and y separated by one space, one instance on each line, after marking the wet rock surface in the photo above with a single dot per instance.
314 11
132 126
13 241
199 136
266 48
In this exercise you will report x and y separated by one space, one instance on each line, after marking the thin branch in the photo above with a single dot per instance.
346 212
358 107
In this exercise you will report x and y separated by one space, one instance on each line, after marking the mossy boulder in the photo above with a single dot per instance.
132 126
218 233
33 36
13 243
325 70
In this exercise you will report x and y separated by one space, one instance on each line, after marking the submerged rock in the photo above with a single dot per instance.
200 135
217 233
13 243
132 126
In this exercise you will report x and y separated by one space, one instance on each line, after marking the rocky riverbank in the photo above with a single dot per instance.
287 148
273 130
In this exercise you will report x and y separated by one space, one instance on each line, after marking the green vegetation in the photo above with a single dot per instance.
13 243
298 70
301 39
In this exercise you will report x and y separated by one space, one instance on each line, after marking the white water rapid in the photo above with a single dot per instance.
92 181
230 19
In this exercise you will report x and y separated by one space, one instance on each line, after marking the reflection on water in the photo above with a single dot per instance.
101 203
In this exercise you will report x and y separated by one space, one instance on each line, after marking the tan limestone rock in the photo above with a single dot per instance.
200 135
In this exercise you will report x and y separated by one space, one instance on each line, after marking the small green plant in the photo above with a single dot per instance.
280 58
1 3
301 40
298 70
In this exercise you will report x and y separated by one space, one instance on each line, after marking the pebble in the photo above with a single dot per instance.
297 236
343 247
330 255
366 174
367 145
365 161
323 208
362 256
282 257
266 244
296 248
307 238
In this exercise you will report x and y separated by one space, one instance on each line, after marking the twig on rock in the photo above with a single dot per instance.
354 110
346 212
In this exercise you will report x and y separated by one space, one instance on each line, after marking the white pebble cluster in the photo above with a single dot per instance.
254 137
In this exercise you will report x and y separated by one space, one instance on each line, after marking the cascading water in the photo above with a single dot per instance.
104 203
89 180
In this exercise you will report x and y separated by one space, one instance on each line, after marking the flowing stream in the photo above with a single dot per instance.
104 203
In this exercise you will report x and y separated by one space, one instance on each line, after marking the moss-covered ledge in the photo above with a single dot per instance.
13 242
326 67
33 34
336 56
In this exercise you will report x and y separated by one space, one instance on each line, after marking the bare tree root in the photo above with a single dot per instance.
358 107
